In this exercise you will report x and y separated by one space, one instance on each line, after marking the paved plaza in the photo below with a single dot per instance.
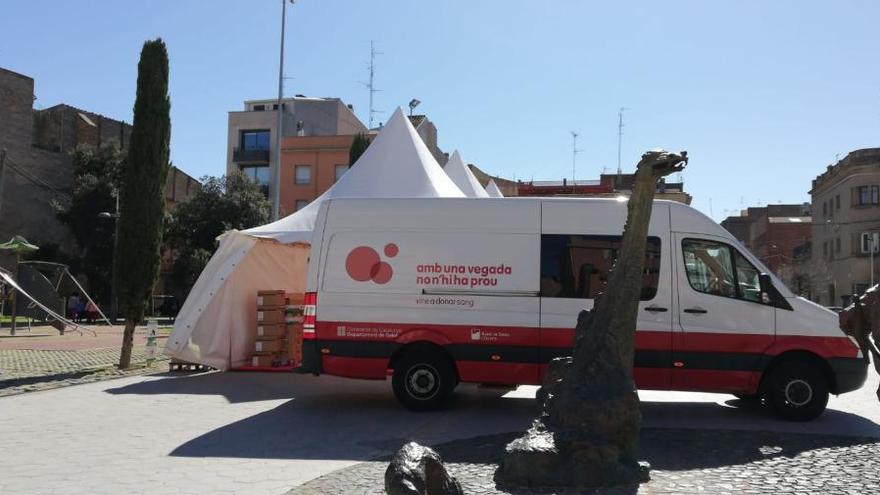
268 433
41 359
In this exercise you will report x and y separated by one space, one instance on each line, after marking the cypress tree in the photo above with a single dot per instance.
358 146
141 206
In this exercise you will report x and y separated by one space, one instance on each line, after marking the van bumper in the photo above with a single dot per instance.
849 373
311 358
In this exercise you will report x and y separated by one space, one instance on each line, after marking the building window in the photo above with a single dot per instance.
867 195
340 171
303 175
259 108
577 266
870 240
301 203
824 249
837 202
258 174
255 140
837 245
824 209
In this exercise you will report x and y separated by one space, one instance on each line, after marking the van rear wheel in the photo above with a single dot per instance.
423 380
797 391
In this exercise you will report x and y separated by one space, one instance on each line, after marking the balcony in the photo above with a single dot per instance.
250 155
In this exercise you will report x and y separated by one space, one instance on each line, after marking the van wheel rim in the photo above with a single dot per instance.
422 381
798 393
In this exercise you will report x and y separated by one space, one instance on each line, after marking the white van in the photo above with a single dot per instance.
439 291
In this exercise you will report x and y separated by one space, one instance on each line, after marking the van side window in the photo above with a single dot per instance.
577 266
719 269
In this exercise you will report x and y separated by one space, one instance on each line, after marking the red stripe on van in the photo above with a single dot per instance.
557 338
355 367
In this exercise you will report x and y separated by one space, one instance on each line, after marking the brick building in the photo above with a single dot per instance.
777 235
608 185
37 173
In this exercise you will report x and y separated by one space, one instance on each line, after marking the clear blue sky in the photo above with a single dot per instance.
762 94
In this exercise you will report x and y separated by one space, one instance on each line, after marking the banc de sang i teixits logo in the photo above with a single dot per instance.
363 264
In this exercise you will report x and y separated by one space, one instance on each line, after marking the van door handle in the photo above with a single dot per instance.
656 309
696 311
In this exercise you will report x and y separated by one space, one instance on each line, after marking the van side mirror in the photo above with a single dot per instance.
767 288
770 294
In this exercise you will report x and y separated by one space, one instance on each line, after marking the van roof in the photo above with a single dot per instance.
684 218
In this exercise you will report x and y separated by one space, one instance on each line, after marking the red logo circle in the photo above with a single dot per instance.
363 263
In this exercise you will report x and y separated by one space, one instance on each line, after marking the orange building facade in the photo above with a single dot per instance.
309 166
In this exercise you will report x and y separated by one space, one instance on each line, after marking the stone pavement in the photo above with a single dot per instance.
267 433
683 462
42 359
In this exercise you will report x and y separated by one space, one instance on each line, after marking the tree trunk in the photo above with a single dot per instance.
127 343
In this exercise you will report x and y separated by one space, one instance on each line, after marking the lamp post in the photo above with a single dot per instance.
413 104
115 217
276 199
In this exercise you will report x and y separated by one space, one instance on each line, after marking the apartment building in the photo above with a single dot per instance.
252 134
846 228
315 143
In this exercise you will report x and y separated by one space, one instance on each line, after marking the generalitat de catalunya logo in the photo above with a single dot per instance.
363 263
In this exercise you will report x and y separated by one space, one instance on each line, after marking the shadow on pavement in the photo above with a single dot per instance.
235 387
736 414
342 419
675 449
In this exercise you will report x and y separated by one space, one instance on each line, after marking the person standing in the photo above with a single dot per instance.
73 307
91 312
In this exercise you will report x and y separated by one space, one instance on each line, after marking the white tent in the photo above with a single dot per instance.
463 177
492 189
217 322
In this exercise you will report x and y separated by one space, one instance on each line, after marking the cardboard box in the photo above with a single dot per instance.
270 314
273 331
295 298
276 345
295 340
266 360
271 298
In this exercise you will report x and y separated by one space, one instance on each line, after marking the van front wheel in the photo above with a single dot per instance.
797 391
423 381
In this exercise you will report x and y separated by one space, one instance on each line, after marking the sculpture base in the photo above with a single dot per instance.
543 459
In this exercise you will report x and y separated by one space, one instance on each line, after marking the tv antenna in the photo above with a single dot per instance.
620 137
574 152
370 85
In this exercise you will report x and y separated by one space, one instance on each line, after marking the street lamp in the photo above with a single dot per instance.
413 104
276 199
115 217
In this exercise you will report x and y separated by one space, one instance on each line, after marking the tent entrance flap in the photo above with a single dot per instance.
217 326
